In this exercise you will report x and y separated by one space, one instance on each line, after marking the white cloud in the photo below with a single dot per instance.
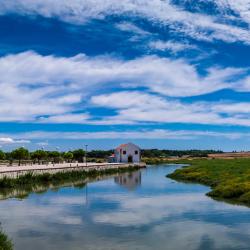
174 47
131 134
130 27
136 32
8 140
33 85
240 7
244 84
42 143
177 77
142 107
232 108
50 87
66 118
195 25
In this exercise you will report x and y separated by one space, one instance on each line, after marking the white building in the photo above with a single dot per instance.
127 153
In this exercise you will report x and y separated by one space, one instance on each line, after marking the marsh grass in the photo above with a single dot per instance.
229 179
155 160
5 242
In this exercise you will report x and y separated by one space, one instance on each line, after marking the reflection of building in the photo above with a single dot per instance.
128 153
129 180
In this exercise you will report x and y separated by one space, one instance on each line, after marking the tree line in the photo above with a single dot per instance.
154 153
39 156
21 154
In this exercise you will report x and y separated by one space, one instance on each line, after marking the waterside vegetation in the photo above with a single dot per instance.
229 179
5 242
58 178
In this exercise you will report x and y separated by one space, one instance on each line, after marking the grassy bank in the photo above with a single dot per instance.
57 178
153 160
229 179
5 243
158 160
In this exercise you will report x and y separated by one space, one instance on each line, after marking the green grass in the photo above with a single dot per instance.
5 242
155 160
228 179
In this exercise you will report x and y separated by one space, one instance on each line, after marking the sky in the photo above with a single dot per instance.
160 73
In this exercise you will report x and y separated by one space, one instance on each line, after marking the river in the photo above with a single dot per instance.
138 211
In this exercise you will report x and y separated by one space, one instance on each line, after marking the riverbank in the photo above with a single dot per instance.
229 179
17 171
57 176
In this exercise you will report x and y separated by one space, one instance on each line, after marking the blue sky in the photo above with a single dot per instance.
161 73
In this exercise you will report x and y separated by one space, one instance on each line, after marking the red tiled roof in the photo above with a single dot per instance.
122 145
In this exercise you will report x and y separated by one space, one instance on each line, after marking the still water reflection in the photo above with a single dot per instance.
144 210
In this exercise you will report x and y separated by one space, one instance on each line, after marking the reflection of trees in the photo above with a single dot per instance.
5 242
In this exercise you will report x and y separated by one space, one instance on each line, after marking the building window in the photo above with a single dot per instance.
124 152
136 152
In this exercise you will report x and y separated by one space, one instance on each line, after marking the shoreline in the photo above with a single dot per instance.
28 178
229 179
17 171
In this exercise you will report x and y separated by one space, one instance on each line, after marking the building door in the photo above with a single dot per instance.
130 158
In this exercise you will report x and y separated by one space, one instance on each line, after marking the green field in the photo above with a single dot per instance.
228 179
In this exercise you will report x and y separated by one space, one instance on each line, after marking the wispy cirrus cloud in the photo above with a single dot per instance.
132 28
171 46
195 25
239 7
66 118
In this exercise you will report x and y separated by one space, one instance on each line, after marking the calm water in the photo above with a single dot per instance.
141 211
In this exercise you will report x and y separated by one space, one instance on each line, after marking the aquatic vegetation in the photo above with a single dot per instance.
229 179
5 242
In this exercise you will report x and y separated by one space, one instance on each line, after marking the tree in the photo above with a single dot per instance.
100 153
68 156
8 156
79 155
20 154
39 155
55 155
2 155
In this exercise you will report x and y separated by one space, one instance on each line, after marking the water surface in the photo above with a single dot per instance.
143 210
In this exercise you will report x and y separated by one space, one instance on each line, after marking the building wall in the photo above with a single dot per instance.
122 154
